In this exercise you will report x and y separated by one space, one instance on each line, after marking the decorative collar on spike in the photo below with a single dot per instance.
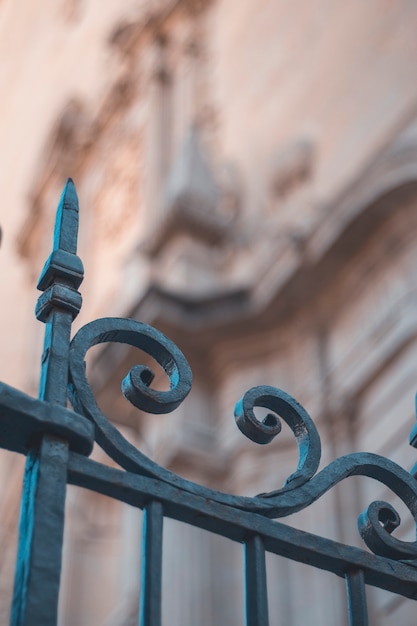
63 272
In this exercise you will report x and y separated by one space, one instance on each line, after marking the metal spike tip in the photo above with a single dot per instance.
66 225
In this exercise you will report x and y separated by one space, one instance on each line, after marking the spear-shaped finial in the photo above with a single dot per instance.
63 264
66 224
60 302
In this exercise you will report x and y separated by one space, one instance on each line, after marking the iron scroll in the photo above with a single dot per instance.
58 441
301 488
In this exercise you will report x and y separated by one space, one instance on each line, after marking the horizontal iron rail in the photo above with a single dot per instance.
238 525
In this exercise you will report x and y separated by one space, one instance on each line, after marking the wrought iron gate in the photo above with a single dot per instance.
57 442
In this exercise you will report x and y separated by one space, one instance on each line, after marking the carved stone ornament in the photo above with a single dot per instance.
192 200
292 166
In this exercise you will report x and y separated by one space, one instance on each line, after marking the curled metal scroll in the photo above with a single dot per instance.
300 490
294 415
136 388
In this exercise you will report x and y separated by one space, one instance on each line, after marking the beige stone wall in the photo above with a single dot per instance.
247 181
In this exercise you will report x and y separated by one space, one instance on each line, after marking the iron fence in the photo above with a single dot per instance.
57 442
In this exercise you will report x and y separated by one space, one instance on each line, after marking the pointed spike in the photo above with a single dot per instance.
63 264
66 225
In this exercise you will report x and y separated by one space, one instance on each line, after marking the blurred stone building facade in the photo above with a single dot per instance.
247 174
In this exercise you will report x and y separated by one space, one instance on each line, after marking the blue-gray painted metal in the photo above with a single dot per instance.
358 611
57 442
151 582
256 590
39 556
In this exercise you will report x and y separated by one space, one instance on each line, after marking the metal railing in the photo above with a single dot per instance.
57 442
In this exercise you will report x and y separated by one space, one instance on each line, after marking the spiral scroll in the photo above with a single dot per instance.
135 386
295 416
300 490
379 520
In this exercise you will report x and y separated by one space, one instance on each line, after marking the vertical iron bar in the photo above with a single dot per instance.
38 567
358 612
151 585
255 583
